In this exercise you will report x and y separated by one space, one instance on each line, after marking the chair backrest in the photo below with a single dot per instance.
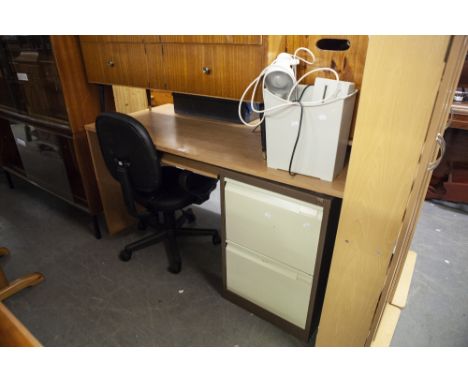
125 140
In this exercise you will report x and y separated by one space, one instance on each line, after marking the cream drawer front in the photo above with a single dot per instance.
272 224
276 288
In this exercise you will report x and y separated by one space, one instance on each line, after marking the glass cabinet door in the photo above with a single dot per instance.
30 71
42 154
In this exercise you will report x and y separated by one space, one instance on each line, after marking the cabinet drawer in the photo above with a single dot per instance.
278 226
214 70
274 287
154 56
213 39
43 157
116 63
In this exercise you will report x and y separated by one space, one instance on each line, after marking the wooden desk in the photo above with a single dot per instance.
204 146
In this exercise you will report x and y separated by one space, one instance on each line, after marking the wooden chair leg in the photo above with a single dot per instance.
19 284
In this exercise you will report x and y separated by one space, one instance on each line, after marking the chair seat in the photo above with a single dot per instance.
170 197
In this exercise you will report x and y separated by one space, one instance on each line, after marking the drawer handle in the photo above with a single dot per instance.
206 70
110 63
441 142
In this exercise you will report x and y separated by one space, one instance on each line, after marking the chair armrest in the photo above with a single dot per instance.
198 186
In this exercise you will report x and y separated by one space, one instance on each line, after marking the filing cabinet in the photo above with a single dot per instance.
270 284
278 267
276 219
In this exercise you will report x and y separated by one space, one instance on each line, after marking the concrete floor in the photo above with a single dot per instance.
90 298
437 308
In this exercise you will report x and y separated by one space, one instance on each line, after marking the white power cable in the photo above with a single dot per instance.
330 99
303 59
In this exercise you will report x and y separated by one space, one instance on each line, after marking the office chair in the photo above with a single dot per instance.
8 288
132 159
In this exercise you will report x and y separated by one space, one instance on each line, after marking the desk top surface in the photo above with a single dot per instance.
227 145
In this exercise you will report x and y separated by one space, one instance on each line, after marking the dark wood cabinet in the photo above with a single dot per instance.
217 66
31 84
45 101
116 63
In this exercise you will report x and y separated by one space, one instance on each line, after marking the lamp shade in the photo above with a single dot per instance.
279 76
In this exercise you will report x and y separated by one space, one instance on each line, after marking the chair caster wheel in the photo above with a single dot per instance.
191 218
125 255
216 239
142 225
175 268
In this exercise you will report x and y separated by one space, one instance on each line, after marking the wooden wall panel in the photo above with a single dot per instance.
349 64
128 100
161 97
82 100
391 127
115 211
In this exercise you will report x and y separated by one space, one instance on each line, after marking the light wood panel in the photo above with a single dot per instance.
213 39
221 144
391 128
128 99
404 282
438 123
387 326
115 211
13 332
191 165
215 70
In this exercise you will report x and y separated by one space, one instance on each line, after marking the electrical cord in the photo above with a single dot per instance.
255 83
286 103
298 129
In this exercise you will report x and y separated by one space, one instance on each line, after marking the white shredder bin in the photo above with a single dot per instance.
321 148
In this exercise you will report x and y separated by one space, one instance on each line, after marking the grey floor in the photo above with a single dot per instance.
90 298
437 308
